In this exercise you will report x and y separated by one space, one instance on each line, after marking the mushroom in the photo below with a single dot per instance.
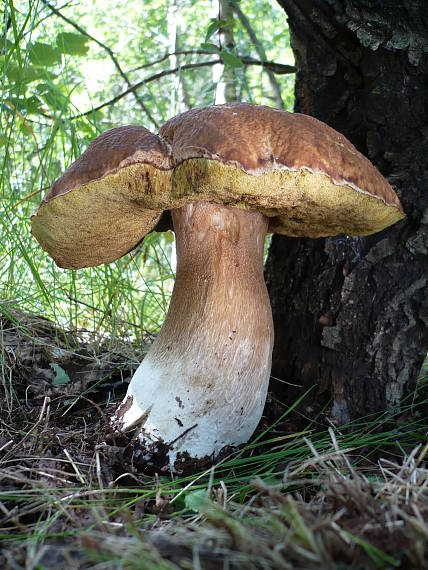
229 174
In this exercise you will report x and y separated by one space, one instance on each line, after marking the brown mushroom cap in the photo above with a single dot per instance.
306 177
104 204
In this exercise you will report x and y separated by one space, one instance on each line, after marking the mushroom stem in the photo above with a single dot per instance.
203 384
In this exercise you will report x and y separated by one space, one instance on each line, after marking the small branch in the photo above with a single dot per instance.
13 451
144 82
111 55
46 17
186 431
167 56
28 196
277 68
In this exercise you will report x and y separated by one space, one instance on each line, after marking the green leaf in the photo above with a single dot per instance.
229 58
216 24
212 28
73 44
169 236
52 95
195 500
85 127
3 139
25 129
29 74
25 105
207 46
44 54
61 376
6 46
33 105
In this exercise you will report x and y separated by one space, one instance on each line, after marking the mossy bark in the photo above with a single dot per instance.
350 315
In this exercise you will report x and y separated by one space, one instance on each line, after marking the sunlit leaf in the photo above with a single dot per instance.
169 236
207 46
52 95
229 58
212 28
73 44
44 54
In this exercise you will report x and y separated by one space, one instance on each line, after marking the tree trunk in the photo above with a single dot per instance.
226 91
258 46
351 314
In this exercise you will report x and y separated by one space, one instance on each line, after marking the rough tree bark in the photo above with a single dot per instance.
351 314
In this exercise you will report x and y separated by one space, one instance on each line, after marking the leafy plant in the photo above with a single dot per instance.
58 64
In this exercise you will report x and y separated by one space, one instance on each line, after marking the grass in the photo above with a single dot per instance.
44 85
319 510
348 497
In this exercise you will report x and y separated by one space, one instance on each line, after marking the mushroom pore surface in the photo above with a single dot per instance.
203 384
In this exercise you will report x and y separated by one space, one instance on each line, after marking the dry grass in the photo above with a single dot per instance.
319 499
342 519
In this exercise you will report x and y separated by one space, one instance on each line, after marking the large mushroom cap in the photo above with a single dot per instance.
306 177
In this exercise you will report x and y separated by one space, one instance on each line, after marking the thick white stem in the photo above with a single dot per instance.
203 384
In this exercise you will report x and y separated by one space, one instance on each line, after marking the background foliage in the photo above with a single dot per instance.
59 63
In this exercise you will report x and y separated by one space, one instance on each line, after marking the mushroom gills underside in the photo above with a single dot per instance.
101 220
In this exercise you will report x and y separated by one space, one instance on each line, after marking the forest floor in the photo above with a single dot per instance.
316 496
